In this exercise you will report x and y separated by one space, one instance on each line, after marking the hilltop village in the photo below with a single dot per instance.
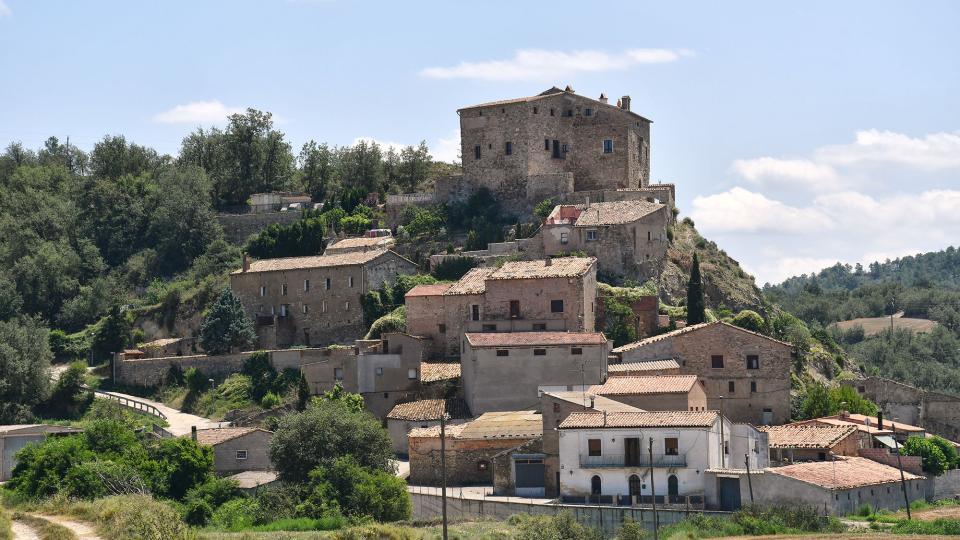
567 351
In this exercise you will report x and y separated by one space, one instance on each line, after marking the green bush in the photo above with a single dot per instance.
201 501
236 514
750 320
563 526
135 516
454 268
348 487
395 321
933 460
941 526
270 400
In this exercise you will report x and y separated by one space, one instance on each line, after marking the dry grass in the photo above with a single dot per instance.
874 325
46 530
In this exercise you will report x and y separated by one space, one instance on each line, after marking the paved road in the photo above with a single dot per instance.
179 422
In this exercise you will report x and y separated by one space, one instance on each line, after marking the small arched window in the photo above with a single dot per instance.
595 485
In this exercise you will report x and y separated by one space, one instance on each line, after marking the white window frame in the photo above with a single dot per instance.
592 235
337 374
242 455
564 238
350 281
306 309
412 373
263 290
306 285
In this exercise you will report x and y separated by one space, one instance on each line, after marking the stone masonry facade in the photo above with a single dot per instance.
937 413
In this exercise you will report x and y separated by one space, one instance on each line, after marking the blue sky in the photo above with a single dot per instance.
797 134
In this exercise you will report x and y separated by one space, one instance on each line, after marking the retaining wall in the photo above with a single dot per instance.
238 227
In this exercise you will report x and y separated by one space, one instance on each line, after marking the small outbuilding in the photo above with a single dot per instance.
237 449
422 414
14 437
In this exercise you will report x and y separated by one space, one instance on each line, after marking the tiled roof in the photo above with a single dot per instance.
561 267
597 403
215 436
687 330
648 384
872 430
529 339
504 425
452 431
652 365
806 436
428 290
430 409
438 371
615 213
473 282
360 242
842 473
861 419
646 419
349 258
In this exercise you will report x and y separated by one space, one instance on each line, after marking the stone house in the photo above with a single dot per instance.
881 431
555 407
471 447
237 449
385 372
938 413
313 300
655 392
608 457
504 371
520 296
654 367
746 374
14 437
792 442
532 148
628 238
422 413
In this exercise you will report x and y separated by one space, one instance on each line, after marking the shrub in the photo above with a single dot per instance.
180 465
203 500
40 469
236 514
543 208
563 526
359 491
933 459
270 400
454 268
136 516
395 321
631 530
749 320
196 381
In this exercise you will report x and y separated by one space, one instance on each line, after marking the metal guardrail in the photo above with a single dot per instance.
619 460
130 403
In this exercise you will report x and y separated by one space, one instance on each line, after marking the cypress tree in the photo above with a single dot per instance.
226 326
696 306
303 393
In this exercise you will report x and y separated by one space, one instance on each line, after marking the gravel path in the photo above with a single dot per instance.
84 531
22 531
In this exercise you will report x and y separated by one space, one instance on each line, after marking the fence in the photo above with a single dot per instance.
131 403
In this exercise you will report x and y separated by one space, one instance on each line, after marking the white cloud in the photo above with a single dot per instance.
5 9
539 64
447 148
197 112
765 170
741 210
934 151
384 145
776 270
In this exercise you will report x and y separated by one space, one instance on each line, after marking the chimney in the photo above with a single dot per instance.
569 89
604 418
591 400
619 104
603 98
193 433
246 262
879 419
625 103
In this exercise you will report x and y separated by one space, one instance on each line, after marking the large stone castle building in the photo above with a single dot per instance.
555 142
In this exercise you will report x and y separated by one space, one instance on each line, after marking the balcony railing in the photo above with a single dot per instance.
621 461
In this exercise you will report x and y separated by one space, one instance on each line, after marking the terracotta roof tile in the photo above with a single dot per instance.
597 403
349 258
687 330
473 282
646 419
561 267
430 409
650 384
615 213
215 436
843 473
652 365
452 431
437 289
528 339
504 425
438 371
806 436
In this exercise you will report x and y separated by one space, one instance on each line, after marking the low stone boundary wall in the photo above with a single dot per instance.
945 486
427 506
238 227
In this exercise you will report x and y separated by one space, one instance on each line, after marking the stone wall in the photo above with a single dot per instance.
469 461
237 228
257 446
945 486
504 477
937 413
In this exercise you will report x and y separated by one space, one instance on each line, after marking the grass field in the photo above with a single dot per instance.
875 325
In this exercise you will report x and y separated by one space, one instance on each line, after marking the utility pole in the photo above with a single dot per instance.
443 469
903 480
653 493
723 441
746 459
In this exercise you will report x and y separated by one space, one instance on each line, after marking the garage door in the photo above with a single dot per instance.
528 471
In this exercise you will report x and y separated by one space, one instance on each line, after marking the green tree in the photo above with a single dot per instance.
351 401
948 449
303 393
414 167
226 326
182 223
750 320
317 170
42 468
24 363
302 237
933 460
326 430
359 491
262 374
696 305
454 268
113 335
543 208
179 464
816 401
69 400
619 322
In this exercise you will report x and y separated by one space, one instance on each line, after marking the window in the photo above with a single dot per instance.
671 446
731 387
349 281
306 285
535 110
576 351
716 361
596 486
306 308
726 447
514 309
564 238
753 387
241 454
323 306
539 352
608 146
442 328
649 236
283 289
263 291
588 112
346 306
475 312
591 236
283 309
338 374
412 373
539 327
568 113
476 152
327 284
503 352
379 371
593 447
489 328
508 148
556 306
753 361
563 149
556 407
556 150
503 111
551 112
546 144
